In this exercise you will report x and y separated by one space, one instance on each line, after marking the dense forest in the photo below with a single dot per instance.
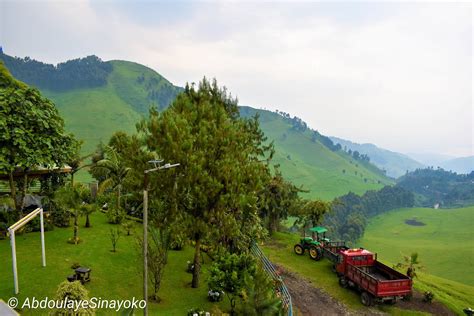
85 72
350 212
438 186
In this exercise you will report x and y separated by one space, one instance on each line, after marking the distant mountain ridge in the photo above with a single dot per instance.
93 113
394 163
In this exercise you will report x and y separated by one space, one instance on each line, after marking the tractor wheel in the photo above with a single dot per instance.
343 282
315 253
299 250
366 299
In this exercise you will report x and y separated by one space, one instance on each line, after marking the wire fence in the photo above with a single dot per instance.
280 288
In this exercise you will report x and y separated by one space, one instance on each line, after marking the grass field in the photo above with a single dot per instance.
326 174
114 275
445 243
280 250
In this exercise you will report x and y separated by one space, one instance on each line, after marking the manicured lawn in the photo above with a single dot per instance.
114 275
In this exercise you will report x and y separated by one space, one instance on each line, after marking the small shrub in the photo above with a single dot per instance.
178 242
428 297
75 265
61 217
74 241
127 226
115 216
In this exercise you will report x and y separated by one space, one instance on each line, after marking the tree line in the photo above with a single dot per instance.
438 186
87 72
350 212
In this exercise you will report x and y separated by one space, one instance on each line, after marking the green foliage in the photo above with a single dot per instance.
411 263
72 199
220 170
32 132
260 298
277 201
85 72
349 214
114 238
311 212
445 188
232 274
72 291
157 258
114 172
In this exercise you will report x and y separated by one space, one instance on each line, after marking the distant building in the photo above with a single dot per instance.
436 206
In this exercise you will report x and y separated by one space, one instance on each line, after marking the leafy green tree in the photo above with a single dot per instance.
72 291
114 238
221 168
31 133
277 200
311 212
231 274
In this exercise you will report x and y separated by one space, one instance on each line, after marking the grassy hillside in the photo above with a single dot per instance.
444 242
94 114
396 164
325 173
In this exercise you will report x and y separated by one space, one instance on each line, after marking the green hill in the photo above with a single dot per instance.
306 161
119 94
94 114
443 239
396 164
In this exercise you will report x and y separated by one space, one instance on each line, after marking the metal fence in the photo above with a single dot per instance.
280 285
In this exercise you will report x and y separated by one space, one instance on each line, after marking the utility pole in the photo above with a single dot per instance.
145 226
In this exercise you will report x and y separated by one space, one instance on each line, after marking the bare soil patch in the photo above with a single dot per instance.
414 222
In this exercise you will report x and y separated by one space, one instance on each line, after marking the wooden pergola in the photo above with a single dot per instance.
36 173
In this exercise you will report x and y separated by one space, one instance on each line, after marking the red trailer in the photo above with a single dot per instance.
376 282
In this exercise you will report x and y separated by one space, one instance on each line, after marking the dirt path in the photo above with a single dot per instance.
310 300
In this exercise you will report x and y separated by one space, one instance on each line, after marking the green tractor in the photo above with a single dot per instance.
313 244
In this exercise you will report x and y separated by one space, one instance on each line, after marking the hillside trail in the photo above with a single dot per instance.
312 301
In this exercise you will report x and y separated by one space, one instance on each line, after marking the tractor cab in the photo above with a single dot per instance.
319 234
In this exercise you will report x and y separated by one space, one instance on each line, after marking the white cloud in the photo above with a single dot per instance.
398 75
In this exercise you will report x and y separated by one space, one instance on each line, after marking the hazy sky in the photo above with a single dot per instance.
395 74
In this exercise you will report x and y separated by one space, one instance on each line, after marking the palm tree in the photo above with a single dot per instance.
411 263
72 198
114 171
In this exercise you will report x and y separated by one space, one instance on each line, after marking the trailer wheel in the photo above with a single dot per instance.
391 302
299 250
333 268
343 282
366 299
315 253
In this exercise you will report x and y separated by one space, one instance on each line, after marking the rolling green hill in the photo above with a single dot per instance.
325 173
443 239
123 95
396 164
